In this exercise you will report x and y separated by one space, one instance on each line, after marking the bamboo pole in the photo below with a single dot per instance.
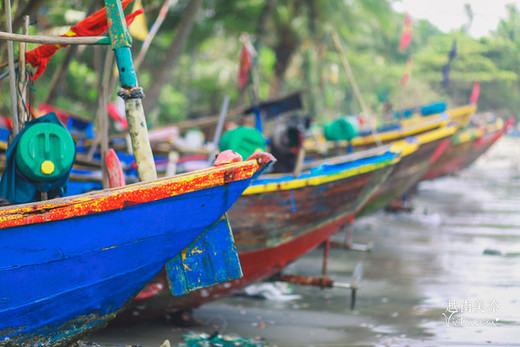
12 79
130 91
102 114
355 87
23 115
153 31
54 40
146 44
218 129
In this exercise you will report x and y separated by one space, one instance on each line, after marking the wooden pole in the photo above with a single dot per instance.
355 87
146 44
12 79
102 114
218 129
23 115
153 31
55 40
299 162
130 91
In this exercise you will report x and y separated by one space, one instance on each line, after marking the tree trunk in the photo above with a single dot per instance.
263 21
30 9
284 52
162 75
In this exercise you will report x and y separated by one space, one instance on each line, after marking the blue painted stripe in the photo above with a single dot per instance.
328 169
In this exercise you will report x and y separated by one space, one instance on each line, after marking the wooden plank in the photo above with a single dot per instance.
209 260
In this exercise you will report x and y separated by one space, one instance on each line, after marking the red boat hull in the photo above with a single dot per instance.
256 266
460 155
406 174
274 228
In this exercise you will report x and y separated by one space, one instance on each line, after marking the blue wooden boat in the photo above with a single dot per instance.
69 265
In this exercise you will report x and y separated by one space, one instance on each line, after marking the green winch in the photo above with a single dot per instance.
345 128
38 161
45 152
243 140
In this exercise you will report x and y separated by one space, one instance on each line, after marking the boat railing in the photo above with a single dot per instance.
349 157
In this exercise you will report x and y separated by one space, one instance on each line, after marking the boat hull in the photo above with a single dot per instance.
451 161
465 149
409 170
481 145
69 265
273 226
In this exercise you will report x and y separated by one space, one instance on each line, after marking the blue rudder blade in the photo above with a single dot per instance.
211 259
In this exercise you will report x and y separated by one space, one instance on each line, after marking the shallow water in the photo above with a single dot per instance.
447 274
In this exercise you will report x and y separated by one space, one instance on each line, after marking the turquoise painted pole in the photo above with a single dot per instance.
121 41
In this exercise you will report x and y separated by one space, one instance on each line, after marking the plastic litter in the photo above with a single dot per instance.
217 340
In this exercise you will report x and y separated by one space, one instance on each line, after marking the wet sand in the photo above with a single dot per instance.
446 274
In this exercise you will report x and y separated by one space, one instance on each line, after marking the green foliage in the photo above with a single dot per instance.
172 105
296 52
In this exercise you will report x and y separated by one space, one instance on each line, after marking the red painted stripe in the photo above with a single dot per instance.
119 198
438 152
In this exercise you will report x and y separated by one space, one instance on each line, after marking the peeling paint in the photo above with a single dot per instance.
120 198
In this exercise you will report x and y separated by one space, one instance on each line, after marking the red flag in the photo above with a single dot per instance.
475 93
407 72
117 115
94 25
246 61
406 36
245 65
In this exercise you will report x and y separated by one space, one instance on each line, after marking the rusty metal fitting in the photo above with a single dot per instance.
133 93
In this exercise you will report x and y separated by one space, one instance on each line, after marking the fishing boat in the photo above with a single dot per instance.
283 216
424 151
460 115
391 132
425 141
68 265
466 146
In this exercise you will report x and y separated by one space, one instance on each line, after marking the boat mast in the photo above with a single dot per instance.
131 93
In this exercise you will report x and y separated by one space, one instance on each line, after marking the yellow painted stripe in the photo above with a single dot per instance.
461 115
315 181
434 135
404 147
398 133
